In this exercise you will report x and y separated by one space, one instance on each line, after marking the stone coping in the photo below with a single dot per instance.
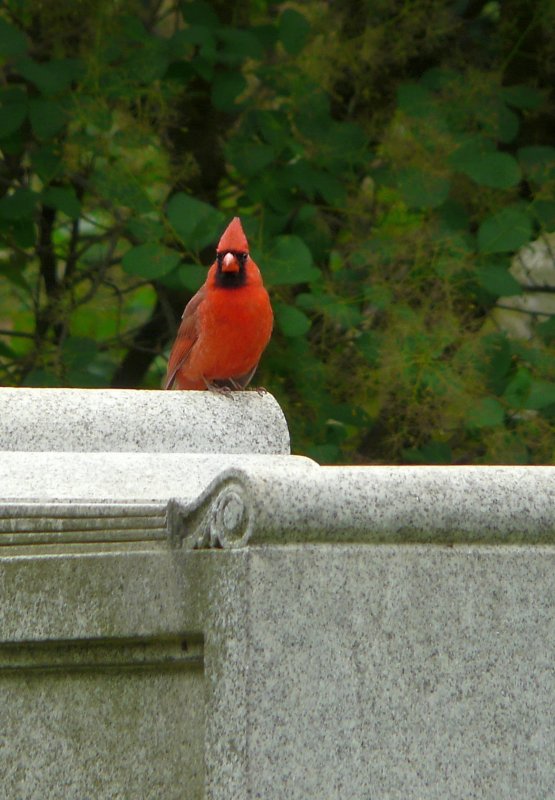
427 504
127 420
233 501
124 477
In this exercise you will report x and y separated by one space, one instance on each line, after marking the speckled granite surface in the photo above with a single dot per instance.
137 421
233 626
109 477
271 503
390 672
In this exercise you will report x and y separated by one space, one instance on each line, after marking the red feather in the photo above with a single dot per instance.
227 324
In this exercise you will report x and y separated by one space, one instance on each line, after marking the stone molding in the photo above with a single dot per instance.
443 505
287 500
128 420
34 523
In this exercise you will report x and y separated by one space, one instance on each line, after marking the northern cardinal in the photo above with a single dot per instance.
226 325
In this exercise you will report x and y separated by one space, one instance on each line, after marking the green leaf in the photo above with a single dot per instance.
197 35
186 276
47 163
314 114
508 124
24 232
92 112
546 330
47 118
121 188
41 377
538 162
199 12
380 297
51 77
78 353
293 31
150 260
522 96
291 321
430 453
134 29
12 116
518 388
544 212
422 190
5 351
192 276
20 204
340 310
498 281
505 231
486 413
468 149
266 34
12 272
497 170
226 87
324 453
64 199
239 45
344 143
497 361
541 395
329 187
289 262
12 41
454 217
369 345
149 62
197 224
145 229
438 78
414 100
274 127
249 157
204 66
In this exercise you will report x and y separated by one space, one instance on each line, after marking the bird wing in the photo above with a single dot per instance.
186 337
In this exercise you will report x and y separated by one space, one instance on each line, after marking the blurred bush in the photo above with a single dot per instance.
388 161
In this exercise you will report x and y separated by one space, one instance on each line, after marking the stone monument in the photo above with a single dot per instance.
188 611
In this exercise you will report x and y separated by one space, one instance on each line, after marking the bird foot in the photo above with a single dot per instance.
227 391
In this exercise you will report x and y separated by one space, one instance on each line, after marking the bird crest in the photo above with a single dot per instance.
233 238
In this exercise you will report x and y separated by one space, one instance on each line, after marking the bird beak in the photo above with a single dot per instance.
230 263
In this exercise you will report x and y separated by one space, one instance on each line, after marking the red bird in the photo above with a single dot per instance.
226 325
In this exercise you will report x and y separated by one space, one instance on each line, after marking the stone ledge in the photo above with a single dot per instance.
230 501
443 505
99 420
124 477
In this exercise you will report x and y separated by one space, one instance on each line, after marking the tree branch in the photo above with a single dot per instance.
147 342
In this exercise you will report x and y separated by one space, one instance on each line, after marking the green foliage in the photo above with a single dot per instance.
150 260
505 231
197 224
386 170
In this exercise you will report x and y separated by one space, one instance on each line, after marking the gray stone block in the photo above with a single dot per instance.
404 672
229 625
101 676
411 672
102 420
272 503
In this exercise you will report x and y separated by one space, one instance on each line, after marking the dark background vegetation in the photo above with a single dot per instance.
388 158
